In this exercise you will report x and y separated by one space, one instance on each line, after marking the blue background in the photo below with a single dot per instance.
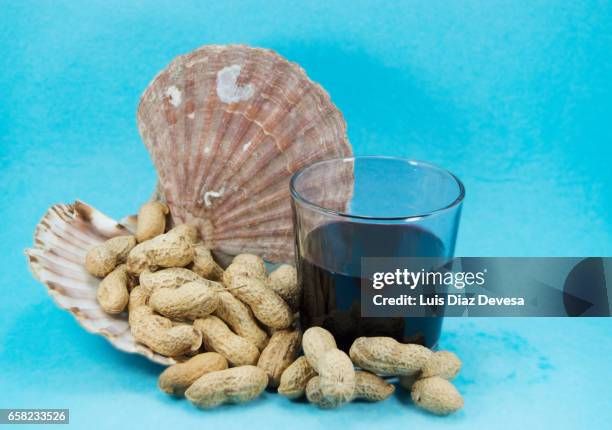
513 97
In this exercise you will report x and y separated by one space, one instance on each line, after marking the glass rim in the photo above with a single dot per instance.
295 194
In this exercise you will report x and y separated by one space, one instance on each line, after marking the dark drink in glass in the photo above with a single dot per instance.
339 220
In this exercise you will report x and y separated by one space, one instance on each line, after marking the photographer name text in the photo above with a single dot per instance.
447 300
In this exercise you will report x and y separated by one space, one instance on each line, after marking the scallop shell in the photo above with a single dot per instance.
226 127
61 240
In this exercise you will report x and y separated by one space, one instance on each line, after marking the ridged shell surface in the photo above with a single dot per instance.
61 240
226 127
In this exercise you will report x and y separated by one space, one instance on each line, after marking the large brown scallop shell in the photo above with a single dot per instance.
226 127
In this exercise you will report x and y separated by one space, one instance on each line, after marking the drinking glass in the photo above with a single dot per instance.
347 209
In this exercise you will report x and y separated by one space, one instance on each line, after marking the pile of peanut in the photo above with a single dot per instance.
239 327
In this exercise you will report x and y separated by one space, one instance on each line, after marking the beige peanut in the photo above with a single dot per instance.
444 364
139 296
172 249
192 300
167 278
280 352
315 342
386 356
368 387
112 294
151 220
314 395
255 261
436 395
121 246
267 306
283 281
178 377
245 265
219 338
240 319
205 265
102 259
188 231
336 377
371 387
295 377
159 334
237 385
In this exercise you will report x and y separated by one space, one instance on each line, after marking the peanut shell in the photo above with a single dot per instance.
295 377
112 293
178 377
316 341
219 338
436 395
442 363
192 300
237 385
386 356
280 352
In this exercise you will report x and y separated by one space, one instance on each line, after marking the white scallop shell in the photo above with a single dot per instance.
61 240
226 127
